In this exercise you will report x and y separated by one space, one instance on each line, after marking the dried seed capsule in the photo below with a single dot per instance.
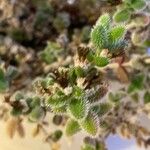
57 119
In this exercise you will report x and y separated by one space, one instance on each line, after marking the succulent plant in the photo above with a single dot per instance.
128 7
68 78
104 36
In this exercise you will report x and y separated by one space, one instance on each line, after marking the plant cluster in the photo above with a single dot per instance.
135 14
58 64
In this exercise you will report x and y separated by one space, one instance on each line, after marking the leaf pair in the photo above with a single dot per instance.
129 6
97 60
89 124
104 36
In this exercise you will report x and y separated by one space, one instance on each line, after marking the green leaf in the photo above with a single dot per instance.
115 98
117 33
47 57
122 16
72 127
36 101
79 71
99 37
55 136
87 147
77 92
138 4
90 124
59 110
90 56
16 112
117 47
104 20
78 108
57 100
37 114
136 84
46 82
3 81
100 61
102 109
147 97
127 1
72 76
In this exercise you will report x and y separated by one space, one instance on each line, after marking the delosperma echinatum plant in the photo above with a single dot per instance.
69 79
76 91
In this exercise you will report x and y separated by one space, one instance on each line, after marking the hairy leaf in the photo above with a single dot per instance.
90 124
117 47
138 4
57 100
122 16
37 114
79 71
59 110
101 109
117 33
99 37
104 20
72 127
100 61
78 108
